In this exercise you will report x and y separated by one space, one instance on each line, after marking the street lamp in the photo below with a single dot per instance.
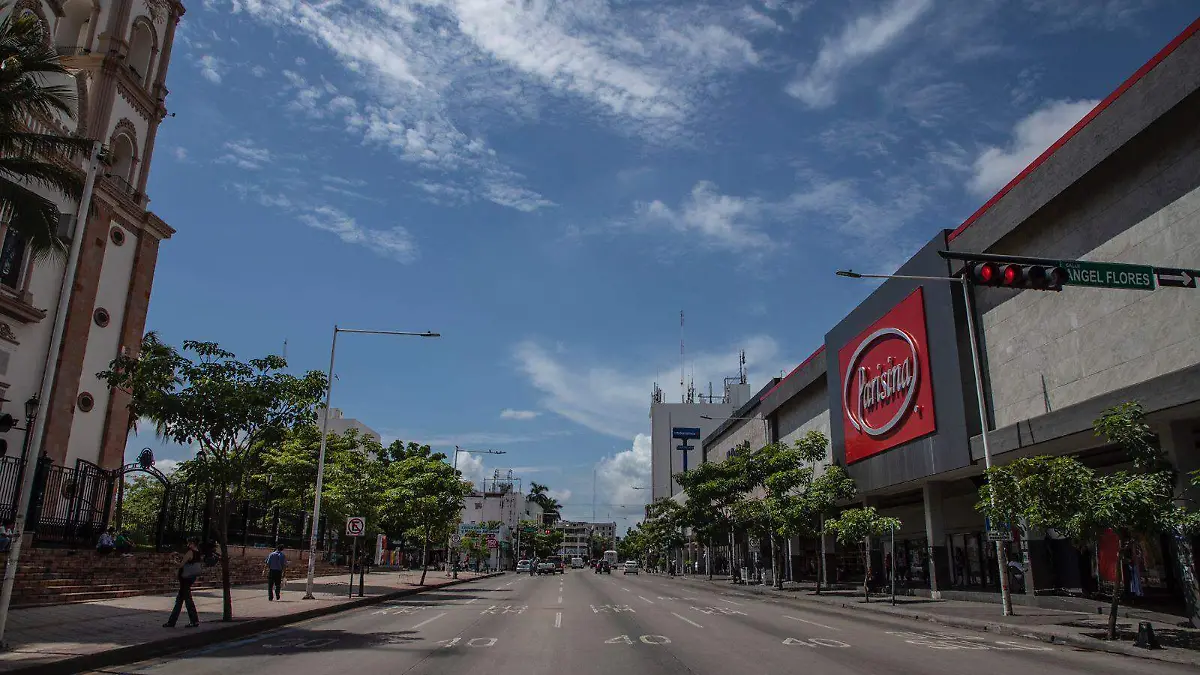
969 306
312 542
449 539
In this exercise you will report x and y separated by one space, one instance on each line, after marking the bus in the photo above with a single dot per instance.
611 557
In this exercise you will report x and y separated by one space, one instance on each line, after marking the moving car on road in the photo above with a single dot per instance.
559 565
631 567
546 567
576 563
523 566
603 566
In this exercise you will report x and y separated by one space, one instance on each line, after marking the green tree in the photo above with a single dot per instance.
1064 494
140 506
852 528
431 494
712 489
31 85
540 494
664 525
229 408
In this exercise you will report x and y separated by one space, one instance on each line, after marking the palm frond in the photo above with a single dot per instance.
34 217
57 177
29 144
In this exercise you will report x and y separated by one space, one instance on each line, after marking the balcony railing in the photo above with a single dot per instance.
121 184
71 50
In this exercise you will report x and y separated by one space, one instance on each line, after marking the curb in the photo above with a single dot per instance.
174 645
1047 636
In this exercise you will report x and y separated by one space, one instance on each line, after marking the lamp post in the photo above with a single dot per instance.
969 306
449 566
316 518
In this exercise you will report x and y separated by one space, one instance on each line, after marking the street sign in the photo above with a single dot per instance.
685 432
491 541
999 535
455 541
1179 278
1108 275
683 448
356 526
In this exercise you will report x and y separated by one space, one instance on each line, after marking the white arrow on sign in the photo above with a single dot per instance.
356 526
1179 278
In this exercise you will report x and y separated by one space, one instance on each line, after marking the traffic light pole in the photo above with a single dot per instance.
1001 553
969 307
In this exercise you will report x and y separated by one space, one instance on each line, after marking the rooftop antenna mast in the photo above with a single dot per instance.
742 366
682 391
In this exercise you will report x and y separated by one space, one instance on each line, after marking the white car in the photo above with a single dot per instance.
576 563
631 567
523 566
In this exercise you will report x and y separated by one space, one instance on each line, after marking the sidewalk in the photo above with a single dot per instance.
73 637
1079 629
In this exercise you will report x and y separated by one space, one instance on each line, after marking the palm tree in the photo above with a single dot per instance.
28 65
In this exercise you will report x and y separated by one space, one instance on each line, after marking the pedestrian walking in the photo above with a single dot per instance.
276 564
189 569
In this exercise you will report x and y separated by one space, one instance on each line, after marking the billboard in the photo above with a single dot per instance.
886 383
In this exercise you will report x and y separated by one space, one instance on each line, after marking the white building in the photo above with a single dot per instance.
340 424
119 52
482 507
577 536
695 413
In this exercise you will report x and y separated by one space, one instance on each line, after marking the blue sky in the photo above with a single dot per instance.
549 185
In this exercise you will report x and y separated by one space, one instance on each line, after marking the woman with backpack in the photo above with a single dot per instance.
189 569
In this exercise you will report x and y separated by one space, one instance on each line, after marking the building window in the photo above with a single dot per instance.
86 402
117 235
12 259
101 317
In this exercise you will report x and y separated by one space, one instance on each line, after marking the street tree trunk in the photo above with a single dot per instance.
425 556
867 573
1118 588
223 542
708 558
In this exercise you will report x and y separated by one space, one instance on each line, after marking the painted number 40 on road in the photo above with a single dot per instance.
816 642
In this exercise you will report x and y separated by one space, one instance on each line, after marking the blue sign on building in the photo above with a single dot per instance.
685 432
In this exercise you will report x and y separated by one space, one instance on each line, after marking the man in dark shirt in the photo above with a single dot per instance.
276 563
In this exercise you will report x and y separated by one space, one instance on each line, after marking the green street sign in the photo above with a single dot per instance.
1108 275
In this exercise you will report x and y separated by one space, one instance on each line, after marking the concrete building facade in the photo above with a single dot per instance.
893 385
119 52
340 424
665 459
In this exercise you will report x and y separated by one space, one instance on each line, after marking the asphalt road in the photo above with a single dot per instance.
583 623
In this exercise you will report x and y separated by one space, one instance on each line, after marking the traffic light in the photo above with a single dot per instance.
1012 275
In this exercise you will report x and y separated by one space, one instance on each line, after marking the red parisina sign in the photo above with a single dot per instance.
887 395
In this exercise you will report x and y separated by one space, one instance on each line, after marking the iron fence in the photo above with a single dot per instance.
72 506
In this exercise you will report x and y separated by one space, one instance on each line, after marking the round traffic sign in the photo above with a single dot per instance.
356 526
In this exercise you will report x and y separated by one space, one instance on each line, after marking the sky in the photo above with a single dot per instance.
550 185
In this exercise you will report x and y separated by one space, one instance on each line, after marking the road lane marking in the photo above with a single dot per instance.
429 620
729 601
558 619
510 583
679 616
470 601
560 599
626 589
646 599
795 618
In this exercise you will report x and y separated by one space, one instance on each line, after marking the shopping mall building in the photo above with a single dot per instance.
893 385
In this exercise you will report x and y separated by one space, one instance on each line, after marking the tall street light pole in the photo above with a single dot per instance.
316 518
969 306
449 567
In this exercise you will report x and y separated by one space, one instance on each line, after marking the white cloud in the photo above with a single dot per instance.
258 71
1032 135
167 465
210 68
180 153
863 37
562 496
614 401
245 154
1061 15
472 468
395 242
719 220
510 414
469 439
618 474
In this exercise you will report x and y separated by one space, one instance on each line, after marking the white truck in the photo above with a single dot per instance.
611 557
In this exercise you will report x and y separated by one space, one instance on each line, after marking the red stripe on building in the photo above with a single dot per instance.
794 371
1133 79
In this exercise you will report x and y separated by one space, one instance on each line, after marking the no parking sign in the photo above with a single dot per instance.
356 526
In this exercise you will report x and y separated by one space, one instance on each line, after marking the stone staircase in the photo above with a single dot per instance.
57 576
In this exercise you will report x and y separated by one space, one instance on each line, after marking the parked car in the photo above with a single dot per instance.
523 566
631 567
604 567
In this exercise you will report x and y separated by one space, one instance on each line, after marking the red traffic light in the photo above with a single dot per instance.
1017 276
985 274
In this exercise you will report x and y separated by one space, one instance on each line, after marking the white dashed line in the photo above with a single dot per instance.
470 601
626 590
429 620
679 616
794 618
510 583
729 601
558 619
646 599
560 599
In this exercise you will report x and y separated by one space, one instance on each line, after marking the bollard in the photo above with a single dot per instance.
1145 637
